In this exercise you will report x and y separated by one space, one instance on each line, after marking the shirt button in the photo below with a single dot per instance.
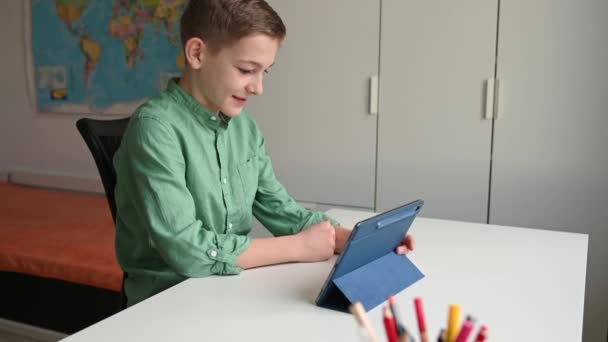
213 118
213 253
229 225
224 180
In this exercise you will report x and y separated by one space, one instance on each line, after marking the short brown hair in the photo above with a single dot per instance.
222 22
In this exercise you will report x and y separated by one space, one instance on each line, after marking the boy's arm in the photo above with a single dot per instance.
316 243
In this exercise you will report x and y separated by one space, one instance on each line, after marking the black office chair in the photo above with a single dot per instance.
103 139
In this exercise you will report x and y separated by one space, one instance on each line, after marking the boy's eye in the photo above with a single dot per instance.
245 71
250 71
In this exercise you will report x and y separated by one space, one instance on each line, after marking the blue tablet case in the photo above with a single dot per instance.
369 270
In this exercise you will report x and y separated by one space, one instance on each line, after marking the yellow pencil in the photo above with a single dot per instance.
453 323
359 312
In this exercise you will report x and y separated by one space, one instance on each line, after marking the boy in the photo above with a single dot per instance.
192 168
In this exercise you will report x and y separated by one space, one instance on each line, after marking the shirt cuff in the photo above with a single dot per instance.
227 254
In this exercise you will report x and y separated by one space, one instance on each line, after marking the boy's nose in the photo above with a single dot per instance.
256 87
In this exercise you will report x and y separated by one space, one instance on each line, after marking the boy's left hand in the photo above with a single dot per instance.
342 235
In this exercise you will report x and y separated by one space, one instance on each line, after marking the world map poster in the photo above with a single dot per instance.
102 56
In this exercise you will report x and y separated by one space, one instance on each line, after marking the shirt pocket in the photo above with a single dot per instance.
248 174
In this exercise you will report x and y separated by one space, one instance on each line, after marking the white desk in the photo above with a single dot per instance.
525 284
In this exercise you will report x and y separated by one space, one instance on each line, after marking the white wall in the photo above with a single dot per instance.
47 143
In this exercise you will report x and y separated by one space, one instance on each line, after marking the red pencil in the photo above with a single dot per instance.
424 337
389 325
401 330
482 335
466 329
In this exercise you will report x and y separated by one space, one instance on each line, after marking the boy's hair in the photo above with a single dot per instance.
220 23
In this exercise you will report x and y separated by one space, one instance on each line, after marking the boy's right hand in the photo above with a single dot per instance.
317 242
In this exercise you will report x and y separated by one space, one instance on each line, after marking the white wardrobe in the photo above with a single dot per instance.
490 111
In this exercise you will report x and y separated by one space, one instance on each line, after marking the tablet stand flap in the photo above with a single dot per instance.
373 283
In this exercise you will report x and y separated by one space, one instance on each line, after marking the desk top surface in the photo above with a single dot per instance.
524 284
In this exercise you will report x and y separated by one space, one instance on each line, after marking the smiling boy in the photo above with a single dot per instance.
192 169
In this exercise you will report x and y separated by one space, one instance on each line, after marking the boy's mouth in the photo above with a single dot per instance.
240 100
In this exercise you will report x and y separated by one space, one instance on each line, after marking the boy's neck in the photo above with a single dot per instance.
186 82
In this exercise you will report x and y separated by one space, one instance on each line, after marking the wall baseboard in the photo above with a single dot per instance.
63 182
29 332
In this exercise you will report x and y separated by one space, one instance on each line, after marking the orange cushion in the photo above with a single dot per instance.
60 235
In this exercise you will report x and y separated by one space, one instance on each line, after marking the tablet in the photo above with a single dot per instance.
369 270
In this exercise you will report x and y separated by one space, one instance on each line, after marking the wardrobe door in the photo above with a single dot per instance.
434 141
314 111
550 167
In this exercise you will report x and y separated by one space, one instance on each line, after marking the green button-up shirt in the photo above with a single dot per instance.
188 183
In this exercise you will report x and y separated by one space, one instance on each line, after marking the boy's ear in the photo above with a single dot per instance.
194 52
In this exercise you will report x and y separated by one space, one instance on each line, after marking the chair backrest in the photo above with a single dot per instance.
103 139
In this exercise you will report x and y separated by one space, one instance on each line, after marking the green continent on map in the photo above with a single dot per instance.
91 50
70 12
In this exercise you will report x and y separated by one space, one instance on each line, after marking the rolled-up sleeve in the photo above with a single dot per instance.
273 206
166 206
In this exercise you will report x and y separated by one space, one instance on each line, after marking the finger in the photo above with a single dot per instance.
401 250
409 242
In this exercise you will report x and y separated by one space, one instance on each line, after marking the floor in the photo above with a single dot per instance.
16 332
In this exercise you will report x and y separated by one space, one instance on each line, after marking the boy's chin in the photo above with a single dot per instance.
232 112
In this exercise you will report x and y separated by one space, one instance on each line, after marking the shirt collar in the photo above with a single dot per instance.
204 115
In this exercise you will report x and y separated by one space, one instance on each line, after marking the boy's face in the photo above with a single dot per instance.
227 79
